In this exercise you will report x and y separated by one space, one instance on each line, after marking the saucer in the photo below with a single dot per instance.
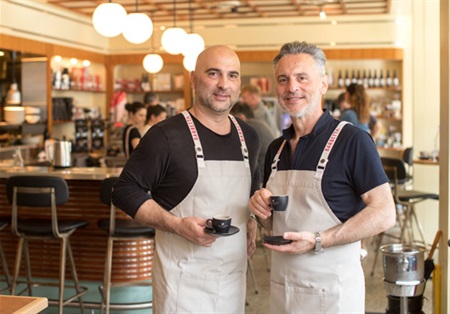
276 240
233 230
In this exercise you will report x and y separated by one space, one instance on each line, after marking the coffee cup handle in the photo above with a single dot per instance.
209 224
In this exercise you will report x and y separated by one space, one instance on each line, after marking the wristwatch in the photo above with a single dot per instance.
318 245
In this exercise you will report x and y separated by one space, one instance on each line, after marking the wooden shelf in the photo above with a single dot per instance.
79 90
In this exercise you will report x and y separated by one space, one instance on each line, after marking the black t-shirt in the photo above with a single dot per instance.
354 166
133 133
163 166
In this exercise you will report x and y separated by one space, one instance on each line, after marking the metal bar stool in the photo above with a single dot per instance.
45 193
4 222
120 230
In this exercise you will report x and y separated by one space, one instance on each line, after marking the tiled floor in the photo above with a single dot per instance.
376 299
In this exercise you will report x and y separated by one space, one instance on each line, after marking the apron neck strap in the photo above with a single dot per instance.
276 159
326 151
198 146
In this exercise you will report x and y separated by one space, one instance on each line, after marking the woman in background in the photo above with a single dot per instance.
355 108
136 118
155 114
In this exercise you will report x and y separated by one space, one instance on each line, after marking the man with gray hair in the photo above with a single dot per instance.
338 194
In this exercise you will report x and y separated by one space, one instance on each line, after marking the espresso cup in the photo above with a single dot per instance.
279 202
219 223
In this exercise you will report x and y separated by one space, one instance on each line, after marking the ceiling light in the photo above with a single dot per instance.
86 63
153 63
173 38
194 43
108 19
189 62
138 27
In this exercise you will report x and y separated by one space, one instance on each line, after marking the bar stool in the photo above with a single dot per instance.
29 193
4 222
399 177
120 230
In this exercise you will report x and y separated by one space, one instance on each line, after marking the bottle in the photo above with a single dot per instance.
354 79
376 81
330 78
365 80
395 80
340 80
347 79
359 78
371 82
382 82
388 79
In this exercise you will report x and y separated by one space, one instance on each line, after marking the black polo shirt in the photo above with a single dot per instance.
354 166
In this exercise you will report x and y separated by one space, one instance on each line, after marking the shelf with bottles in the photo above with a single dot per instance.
71 74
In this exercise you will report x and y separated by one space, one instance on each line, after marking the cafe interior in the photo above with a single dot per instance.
65 70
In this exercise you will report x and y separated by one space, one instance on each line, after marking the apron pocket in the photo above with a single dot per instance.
198 293
288 299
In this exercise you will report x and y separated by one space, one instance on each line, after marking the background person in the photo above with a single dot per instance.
266 135
355 106
136 118
155 114
338 194
251 95
151 99
186 169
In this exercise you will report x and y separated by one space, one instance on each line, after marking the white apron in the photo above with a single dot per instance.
329 282
189 278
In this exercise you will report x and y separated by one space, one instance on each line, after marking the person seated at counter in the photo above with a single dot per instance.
137 113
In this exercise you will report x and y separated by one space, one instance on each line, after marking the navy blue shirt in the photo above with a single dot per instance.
354 166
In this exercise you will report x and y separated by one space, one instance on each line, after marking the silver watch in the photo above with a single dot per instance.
318 244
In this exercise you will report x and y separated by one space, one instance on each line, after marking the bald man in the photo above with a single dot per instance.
197 164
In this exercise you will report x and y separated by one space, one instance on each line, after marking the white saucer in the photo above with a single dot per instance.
233 230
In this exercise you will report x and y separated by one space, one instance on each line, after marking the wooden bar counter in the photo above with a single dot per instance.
132 259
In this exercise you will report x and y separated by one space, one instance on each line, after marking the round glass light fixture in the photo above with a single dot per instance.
153 63
173 39
193 44
189 61
108 19
137 28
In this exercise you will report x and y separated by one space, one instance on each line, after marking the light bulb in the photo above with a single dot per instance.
194 44
137 28
108 19
173 39
189 61
153 63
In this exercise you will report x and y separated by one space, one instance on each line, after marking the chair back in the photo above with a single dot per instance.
395 170
36 191
106 187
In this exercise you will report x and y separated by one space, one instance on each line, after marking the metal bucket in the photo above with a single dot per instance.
403 264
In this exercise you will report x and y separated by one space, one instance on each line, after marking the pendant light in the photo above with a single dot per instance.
172 40
153 62
108 19
138 27
194 43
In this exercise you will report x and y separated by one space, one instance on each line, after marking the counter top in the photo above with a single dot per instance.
74 173
426 162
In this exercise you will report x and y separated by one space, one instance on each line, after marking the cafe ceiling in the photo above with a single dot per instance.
164 11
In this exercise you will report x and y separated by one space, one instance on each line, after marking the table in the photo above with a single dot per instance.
426 162
25 305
